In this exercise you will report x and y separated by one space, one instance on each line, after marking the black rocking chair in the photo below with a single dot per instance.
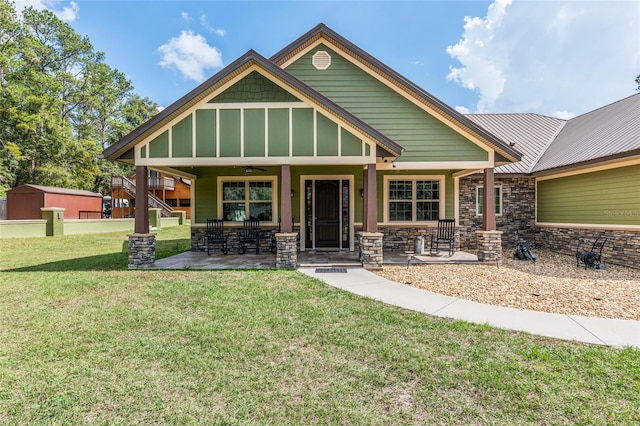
445 234
216 236
250 234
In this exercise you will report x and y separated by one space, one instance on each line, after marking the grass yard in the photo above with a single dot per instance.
84 341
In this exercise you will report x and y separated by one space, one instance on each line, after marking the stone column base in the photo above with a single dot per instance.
142 251
371 249
287 250
490 246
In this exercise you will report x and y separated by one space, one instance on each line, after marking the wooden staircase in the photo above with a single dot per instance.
130 188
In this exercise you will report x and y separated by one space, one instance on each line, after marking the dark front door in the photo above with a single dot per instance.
327 205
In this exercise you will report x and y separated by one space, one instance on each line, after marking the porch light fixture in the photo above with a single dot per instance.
362 192
293 193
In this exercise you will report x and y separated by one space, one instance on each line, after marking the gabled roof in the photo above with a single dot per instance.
207 88
531 134
393 78
605 133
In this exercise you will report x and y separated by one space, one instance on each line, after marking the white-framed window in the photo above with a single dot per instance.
242 197
413 198
480 200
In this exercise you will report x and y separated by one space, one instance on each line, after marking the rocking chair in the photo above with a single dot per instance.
445 234
216 236
250 234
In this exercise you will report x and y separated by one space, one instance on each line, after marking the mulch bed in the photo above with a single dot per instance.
552 284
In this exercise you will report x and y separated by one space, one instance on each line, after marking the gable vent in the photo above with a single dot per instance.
321 60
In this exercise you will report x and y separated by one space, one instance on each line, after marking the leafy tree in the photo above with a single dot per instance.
638 83
60 104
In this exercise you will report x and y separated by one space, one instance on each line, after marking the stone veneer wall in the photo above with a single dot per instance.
198 241
402 238
142 251
287 250
622 248
518 210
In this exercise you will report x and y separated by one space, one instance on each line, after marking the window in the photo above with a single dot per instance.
241 198
414 199
480 200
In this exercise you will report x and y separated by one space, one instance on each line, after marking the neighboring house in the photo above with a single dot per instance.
325 136
578 179
174 192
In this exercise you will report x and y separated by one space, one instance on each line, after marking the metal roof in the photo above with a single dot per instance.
605 132
55 190
530 134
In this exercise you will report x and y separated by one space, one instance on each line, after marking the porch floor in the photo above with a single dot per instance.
267 260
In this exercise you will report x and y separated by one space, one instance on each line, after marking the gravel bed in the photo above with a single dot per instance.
552 284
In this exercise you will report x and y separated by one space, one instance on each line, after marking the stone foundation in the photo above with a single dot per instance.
287 250
489 246
371 249
142 251
621 248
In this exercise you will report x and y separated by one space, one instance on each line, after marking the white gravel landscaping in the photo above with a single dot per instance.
552 284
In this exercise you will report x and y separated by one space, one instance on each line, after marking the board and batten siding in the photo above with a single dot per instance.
608 197
424 137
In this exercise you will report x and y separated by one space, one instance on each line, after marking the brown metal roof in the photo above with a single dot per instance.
55 190
321 30
530 134
120 148
607 132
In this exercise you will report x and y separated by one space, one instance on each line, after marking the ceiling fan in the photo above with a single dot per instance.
249 169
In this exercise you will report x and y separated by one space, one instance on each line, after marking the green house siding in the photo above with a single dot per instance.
256 132
230 133
302 132
159 146
182 138
327 137
254 88
605 197
424 137
254 137
278 132
206 133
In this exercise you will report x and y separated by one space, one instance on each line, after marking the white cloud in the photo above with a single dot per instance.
565 115
462 109
205 24
549 57
185 16
190 54
66 13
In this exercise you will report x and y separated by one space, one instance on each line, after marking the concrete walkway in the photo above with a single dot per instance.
600 331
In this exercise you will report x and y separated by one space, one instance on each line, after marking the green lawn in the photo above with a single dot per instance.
84 341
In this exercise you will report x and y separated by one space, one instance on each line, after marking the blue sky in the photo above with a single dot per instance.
548 57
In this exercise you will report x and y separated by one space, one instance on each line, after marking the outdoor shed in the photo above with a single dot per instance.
25 202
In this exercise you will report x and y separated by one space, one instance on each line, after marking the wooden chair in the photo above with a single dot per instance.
250 234
445 234
216 235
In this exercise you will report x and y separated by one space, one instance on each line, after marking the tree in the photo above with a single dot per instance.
638 83
60 104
